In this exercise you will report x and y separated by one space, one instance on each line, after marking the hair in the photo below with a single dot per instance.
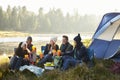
66 37
54 46
29 38
19 46
19 49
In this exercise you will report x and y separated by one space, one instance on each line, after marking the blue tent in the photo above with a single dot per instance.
106 40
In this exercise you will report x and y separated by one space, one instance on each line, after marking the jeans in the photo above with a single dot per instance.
25 62
16 63
69 62
47 58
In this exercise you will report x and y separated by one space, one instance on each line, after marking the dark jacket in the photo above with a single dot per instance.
48 46
66 49
30 47
80 51
81 54
20 53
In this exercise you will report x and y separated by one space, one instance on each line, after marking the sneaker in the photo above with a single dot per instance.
13 71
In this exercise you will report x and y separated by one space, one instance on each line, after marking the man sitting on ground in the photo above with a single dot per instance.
66 47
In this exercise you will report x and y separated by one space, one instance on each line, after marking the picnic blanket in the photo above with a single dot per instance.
34 69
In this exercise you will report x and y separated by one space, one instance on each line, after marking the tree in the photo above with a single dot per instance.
13 19
20 19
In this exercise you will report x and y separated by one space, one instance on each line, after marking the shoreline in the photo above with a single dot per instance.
4 34
38 40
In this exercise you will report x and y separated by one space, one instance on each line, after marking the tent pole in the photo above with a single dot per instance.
116 31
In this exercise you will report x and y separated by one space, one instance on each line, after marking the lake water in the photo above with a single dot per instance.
43 37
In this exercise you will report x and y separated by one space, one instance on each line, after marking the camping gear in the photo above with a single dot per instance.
106 39
90 53
91 57
36 70
43 48
57 61
49 66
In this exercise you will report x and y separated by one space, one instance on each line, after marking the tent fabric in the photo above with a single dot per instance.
108 28
107 17
112 49
106 39
99 47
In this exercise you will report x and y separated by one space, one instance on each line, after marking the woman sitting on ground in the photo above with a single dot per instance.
79 54
19 57
48 53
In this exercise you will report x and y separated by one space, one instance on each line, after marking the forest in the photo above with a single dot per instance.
54 21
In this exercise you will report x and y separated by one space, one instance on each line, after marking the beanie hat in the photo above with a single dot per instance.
77 38
54 39
78 41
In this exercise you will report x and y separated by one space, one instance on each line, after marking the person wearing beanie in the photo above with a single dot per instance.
51 46
48 53
54 39
80 54
78 42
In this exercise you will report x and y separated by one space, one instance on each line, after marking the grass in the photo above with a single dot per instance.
98 72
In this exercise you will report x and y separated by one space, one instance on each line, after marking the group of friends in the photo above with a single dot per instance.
25 53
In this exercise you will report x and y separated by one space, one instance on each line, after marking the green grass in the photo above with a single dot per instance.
99 72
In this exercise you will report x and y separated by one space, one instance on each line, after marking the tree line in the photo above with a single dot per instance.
54 21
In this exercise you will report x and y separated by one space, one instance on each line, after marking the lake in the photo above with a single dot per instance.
42 37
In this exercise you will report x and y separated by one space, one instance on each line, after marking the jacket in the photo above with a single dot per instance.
47 48
66 49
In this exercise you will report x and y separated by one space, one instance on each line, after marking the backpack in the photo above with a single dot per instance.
90 53
57 61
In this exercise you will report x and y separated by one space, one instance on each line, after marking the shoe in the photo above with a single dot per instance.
13 71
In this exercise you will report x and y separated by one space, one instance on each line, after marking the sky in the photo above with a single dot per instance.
97 7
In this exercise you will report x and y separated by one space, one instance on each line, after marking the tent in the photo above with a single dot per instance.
106 39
